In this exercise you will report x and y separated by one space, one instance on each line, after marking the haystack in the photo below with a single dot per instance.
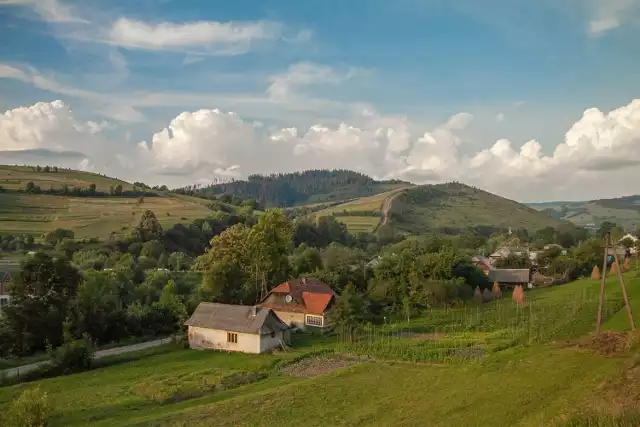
496 291
614 268
595 273
477 295
627 265
518 295
487 295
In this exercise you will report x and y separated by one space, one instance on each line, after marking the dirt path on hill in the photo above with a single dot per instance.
386 205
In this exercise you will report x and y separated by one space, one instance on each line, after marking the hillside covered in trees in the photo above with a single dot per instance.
298 188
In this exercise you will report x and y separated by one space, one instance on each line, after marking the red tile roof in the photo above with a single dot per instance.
313 293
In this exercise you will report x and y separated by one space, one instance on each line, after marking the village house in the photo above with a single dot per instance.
510 277
483 263
5 278
301 302
242 328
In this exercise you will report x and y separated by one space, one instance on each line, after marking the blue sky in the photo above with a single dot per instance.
515 70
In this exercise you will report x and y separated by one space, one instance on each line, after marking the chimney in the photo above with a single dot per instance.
254 311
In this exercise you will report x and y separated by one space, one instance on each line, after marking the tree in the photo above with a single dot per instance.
149 226
30 187
171 303
152 249
268 243
305 260
179 261
349 309
118 190
41 296
46 169
627 242
223 282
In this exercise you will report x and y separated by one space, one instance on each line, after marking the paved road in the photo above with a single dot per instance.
10 373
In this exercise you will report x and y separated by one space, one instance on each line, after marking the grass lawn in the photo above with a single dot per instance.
91 217
357 224
529 383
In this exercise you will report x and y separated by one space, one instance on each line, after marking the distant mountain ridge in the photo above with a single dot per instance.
624 211
299 188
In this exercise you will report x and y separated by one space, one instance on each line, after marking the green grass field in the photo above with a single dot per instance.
547 381
92 217
17 177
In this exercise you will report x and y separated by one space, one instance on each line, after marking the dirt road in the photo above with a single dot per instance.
21 370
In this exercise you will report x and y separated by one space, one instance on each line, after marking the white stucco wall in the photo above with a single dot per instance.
216 339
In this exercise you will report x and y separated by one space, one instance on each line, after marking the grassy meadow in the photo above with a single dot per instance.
360 223
17 177
539 367
88 216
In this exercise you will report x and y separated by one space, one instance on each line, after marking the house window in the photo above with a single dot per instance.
314 320
232 338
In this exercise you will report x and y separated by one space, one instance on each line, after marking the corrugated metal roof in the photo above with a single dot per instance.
234 318
509 275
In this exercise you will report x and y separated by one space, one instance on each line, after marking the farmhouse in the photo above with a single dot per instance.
301 302
5 278
483 263
510 277
241 328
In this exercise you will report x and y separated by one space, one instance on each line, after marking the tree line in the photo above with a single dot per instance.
289 189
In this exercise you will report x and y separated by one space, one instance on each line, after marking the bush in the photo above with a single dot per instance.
30 409
73 356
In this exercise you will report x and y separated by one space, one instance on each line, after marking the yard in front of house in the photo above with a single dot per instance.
529 382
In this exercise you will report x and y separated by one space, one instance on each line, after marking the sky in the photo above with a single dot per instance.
534 101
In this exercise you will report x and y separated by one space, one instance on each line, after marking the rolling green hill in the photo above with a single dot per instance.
437 208
624 211
17 177
36 214
451 207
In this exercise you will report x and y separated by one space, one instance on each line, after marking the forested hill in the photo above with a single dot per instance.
298 188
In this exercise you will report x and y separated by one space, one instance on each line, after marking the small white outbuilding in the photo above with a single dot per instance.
241 328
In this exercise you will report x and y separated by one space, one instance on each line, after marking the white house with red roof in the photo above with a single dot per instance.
301 302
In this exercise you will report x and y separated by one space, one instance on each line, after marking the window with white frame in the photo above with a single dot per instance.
314 320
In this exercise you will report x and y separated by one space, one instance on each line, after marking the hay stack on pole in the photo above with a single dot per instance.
477 295
496 291
518 295
614 268
595 273
627 265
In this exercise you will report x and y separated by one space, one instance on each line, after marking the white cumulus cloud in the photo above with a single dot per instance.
593 160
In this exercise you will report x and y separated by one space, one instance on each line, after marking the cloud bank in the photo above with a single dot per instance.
598 157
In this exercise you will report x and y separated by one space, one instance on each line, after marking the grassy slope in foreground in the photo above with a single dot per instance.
17 177
458 206
528 386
